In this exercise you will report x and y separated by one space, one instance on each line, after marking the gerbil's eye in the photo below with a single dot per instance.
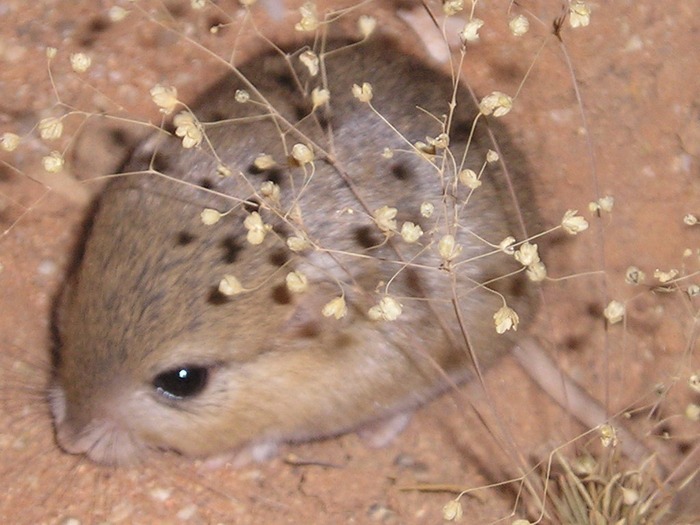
181 382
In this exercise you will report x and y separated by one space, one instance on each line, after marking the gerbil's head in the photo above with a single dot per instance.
149 357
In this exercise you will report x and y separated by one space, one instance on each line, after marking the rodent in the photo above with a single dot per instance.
152 356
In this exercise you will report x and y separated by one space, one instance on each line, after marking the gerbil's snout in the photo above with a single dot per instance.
103 439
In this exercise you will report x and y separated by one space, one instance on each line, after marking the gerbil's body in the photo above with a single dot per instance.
152 355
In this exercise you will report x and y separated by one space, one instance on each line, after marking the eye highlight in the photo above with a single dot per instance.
182 382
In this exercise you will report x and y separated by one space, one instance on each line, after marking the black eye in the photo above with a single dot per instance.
181 382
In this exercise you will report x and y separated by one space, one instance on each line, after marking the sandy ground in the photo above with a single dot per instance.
638 78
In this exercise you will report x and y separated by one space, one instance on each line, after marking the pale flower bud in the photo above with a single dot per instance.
366 24
469 178
573 223
302 154
385 217
53 162
448 248
363 93
309 20
257 229
614 312
506 245
527 254
519 25
230 285
311 61
298 243
50 128
189 128
210 216
536 272
506 319
452 511
241 96
296 282
411 232
497 103
579 14
336 308
9 141
452 7
80 62
388 309
470 33
264 162
320 96
427 209
165 97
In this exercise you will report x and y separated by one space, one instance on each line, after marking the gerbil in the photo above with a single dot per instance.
153 356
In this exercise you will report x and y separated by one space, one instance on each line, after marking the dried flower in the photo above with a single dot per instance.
690 219
336 308
411 232
506 245
527 254
519 25
536 272
320 96
117 13
53 162
608 435
309 19
271 191
614 312
452 511
298 243
452 7
257 229
210 216
9 141
497 103
50 128
448 248
80 62
573 223
470 33
264 162
491 156
165 97
634 275
469 178
364 93
296 282
388 309
385 217
665 276
311 61
366 24
241 96
189 128
506 319
603 204
579 14
427 209
230 285
302 153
